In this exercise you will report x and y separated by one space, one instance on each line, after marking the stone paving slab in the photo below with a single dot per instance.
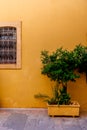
39 120
16 121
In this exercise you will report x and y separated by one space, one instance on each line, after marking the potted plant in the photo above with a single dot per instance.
61 67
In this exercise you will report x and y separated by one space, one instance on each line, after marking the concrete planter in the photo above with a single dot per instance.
64 110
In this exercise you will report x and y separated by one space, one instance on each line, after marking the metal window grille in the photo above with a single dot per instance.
8 45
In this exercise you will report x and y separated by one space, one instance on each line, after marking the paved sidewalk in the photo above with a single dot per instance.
37 119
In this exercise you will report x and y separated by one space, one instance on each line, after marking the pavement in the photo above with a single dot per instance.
38 119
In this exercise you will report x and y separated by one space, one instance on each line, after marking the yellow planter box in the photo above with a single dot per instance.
64 110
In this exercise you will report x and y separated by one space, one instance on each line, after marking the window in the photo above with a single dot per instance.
10 45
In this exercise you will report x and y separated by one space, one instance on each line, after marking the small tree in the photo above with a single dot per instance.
60 67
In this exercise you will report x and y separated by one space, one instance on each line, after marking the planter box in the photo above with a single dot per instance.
64 110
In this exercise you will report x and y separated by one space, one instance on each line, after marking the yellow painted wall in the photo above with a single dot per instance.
46 24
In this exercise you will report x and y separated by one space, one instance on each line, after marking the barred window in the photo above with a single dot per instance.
10 45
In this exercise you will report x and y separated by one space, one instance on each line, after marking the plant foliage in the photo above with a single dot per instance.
61 66
80 54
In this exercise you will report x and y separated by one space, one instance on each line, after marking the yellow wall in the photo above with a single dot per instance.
46 24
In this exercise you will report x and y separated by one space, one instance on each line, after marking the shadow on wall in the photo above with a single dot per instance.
78 91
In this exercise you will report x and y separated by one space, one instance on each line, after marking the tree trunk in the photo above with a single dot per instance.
65 87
